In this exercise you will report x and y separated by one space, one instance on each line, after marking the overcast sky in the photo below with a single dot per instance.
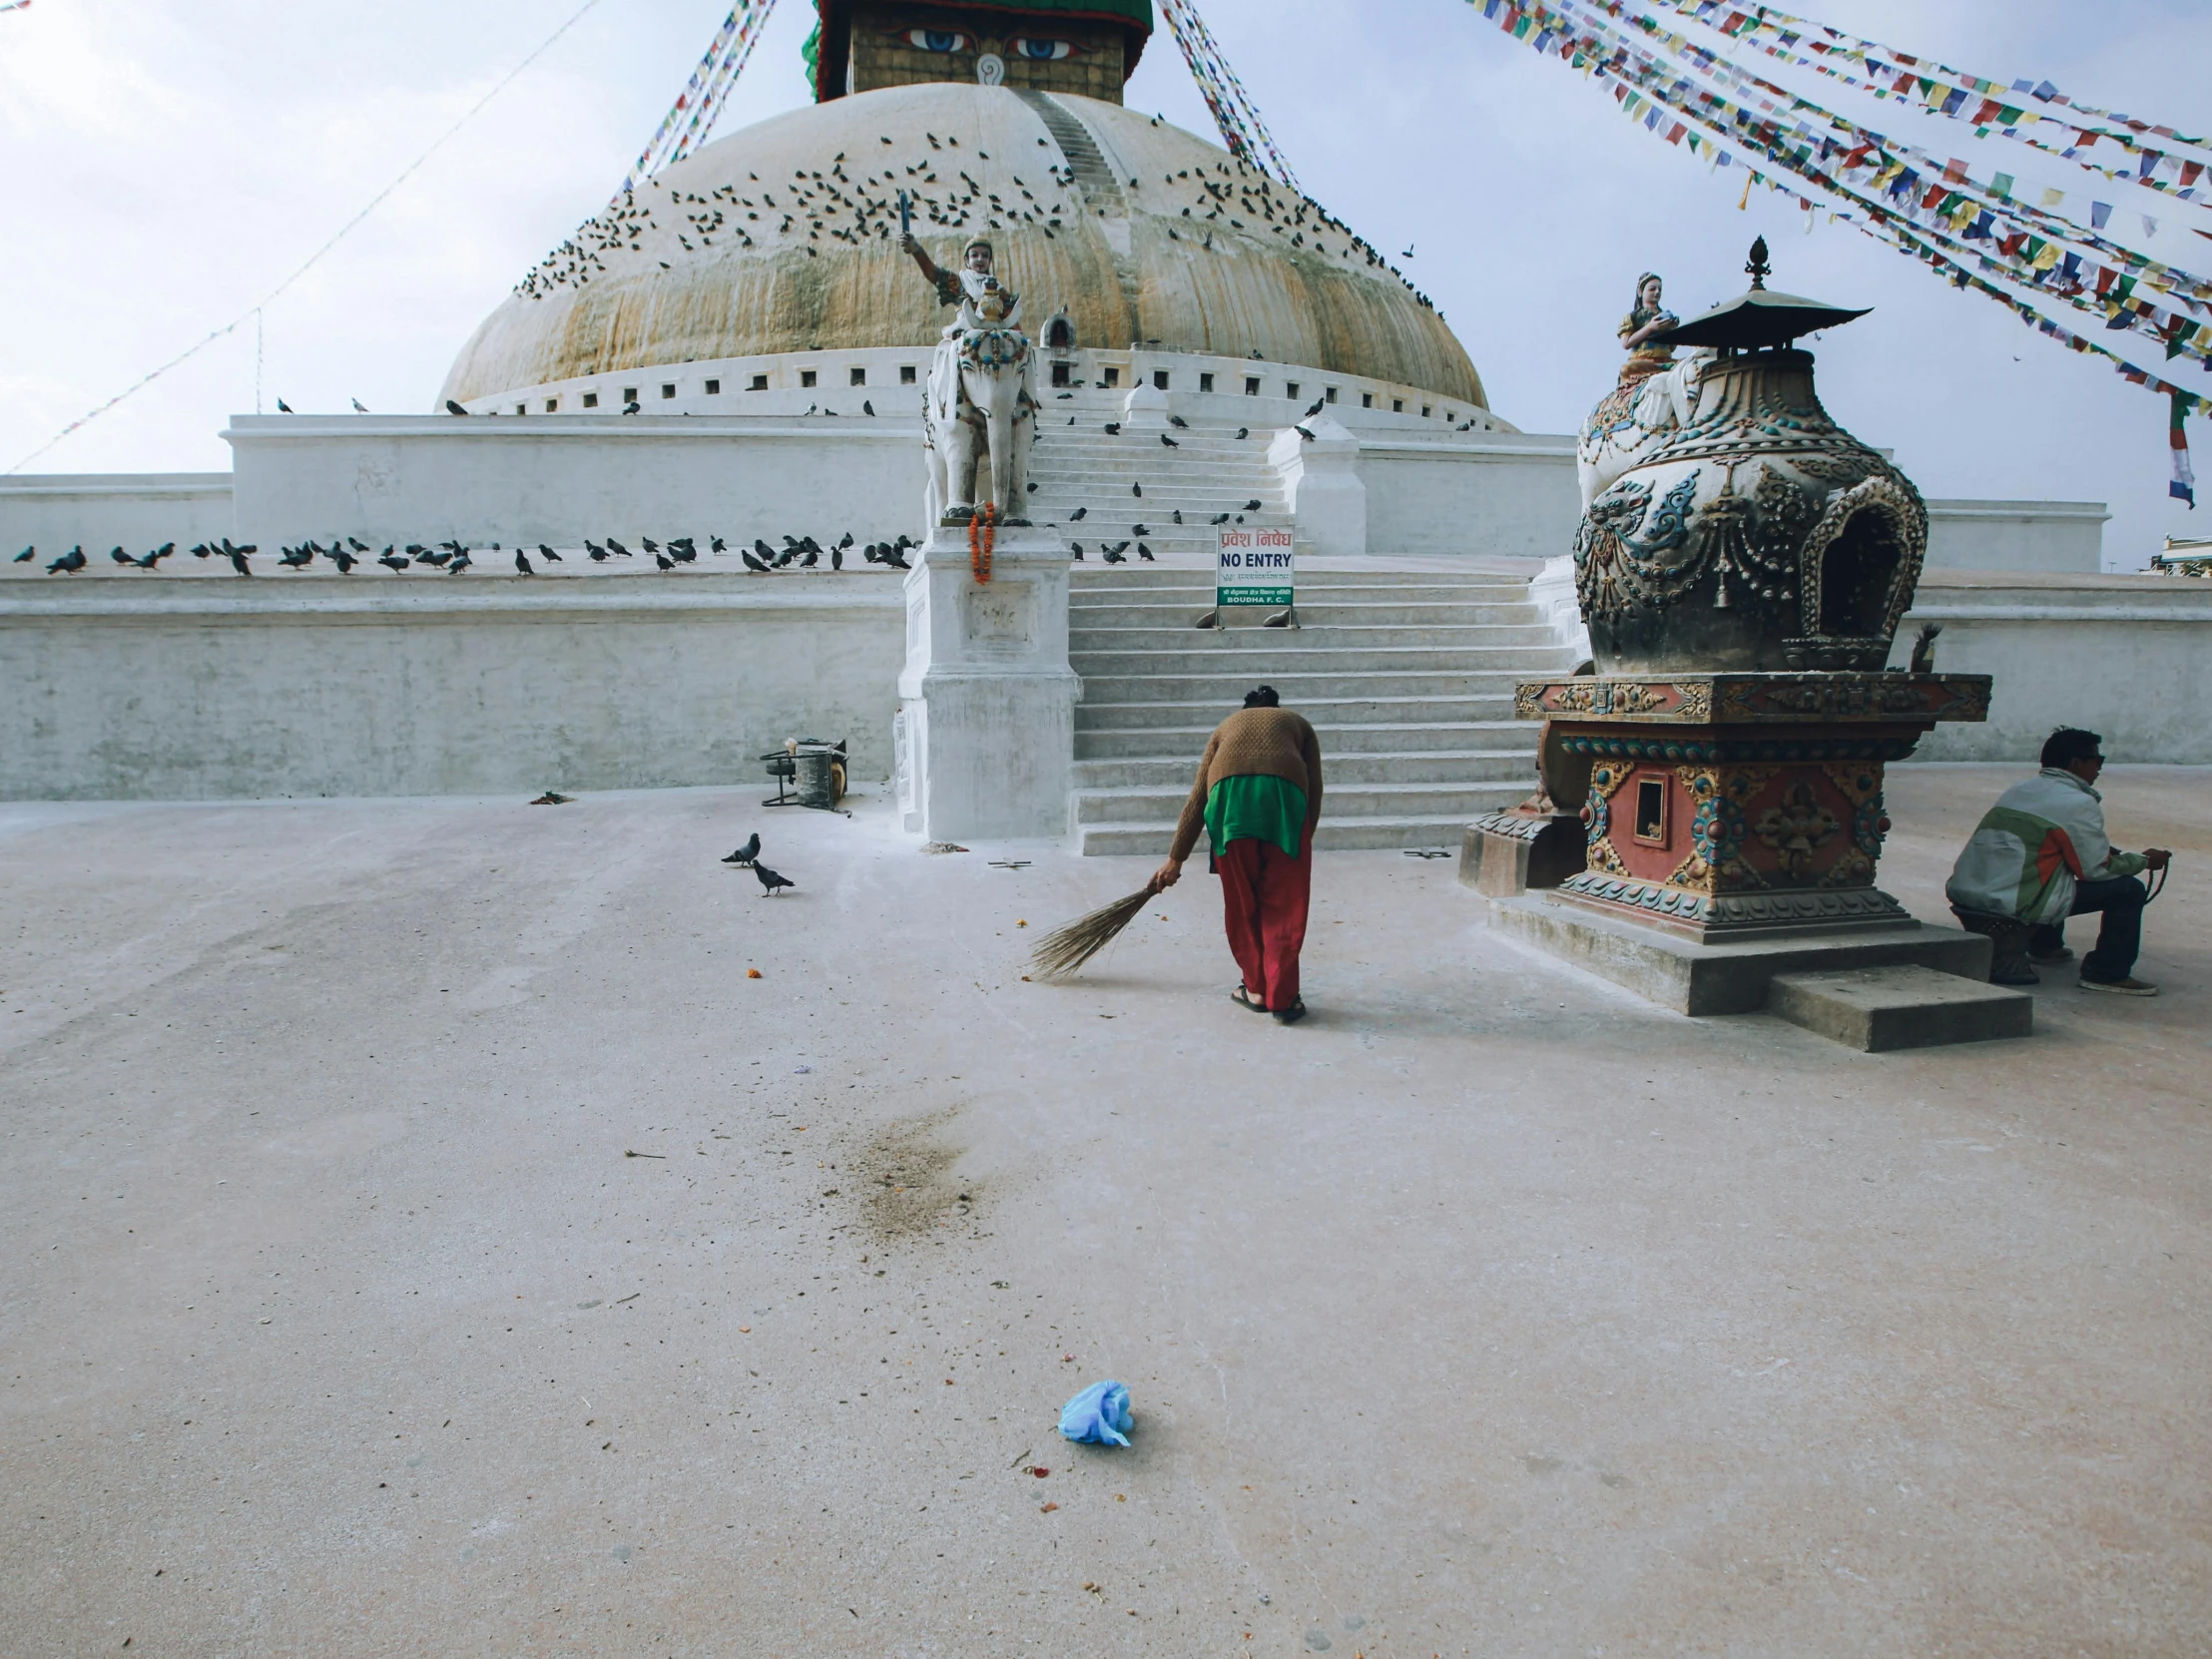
169 161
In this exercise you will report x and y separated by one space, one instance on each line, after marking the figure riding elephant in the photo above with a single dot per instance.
980 413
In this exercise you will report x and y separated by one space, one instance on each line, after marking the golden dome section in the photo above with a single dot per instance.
785 238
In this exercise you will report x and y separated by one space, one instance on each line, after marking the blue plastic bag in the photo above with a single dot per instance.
1099 1415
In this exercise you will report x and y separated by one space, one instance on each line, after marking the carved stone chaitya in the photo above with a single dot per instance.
1729 522
1742 563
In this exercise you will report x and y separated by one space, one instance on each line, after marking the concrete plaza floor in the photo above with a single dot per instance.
423 1236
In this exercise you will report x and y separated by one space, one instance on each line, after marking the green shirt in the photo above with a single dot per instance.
1263 808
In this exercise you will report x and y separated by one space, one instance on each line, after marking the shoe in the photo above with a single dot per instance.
2062 954
2120 987
1242 999
1293 1014
2026 976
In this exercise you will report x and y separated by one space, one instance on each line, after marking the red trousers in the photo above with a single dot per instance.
1264 893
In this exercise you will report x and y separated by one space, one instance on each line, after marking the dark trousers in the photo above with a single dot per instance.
2122 898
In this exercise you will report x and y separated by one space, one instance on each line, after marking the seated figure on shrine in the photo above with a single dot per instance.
1646 317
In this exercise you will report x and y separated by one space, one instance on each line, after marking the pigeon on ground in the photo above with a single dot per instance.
649 544
1113 428
73 560
1144 553
359 407
121 557
837 555
523 566
1178 515
454 408
664 561
747 853
545 552
716 544
867 408
752 563
807 563
392 561
1315 408
1219 518
1304 432
1075 517
631 408
1078 546
283 407
1252 505
770 879
598 555
1178 420
1168 442
1137 490
617 547
346 561
1112 555
358 545
238 561
1243 433
1140 529
30 553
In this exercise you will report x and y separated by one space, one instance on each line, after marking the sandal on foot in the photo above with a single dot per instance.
1242 999
1293 1014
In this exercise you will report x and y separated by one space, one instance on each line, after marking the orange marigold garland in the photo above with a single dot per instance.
983 535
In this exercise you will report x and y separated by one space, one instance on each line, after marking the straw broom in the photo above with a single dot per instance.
1059 954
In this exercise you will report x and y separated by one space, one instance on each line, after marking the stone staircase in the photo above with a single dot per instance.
1210 470
1407 676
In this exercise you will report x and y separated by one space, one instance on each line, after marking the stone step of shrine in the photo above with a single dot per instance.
1406 674
1210 471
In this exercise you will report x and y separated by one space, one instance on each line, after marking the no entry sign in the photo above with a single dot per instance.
1253 566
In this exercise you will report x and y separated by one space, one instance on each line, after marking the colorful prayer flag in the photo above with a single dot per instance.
2184 485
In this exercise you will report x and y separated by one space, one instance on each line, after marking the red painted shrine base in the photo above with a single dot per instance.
1734 805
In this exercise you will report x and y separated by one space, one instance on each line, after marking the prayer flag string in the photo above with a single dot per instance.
1651 90
1981 103
253 312
697 108
1235 114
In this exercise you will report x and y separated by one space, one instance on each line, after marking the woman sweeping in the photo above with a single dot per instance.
1258 797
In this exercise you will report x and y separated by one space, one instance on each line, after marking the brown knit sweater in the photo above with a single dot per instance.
1266 743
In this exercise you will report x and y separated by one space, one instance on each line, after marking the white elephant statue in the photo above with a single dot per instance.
1632 420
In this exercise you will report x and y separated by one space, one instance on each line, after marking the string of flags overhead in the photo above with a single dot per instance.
2007 107
1235 115
1977 232
692 118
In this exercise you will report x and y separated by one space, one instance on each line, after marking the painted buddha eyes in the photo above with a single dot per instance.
1032 46
940 40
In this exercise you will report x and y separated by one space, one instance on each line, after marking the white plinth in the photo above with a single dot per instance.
1322 486
988 699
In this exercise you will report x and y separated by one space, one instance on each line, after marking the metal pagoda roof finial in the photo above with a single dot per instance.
1759 268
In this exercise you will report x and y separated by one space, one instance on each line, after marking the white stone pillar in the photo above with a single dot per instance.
1322 486
987 695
